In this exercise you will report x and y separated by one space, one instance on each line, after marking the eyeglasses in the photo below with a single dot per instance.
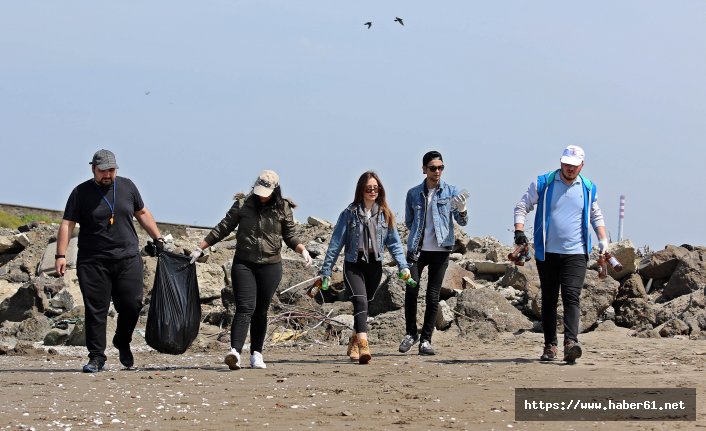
372 189
436 168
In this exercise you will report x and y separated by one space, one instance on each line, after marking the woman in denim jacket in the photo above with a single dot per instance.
364 228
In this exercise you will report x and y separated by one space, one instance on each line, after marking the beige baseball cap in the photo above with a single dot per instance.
266 183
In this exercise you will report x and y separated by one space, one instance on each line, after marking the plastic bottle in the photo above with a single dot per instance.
409 281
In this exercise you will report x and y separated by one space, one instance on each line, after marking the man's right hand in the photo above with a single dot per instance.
195 255
60 266
520 237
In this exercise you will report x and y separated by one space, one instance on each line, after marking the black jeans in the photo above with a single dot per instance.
103 279
254 285
437 261
363 279
565 273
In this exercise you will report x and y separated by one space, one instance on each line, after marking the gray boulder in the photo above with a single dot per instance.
389 295
61 302
673 327
316 221
596 296
13 243
56 337
483 313
635 312
387 328
453 279
7 344
689 276
78 335
46 265
445 316
210 278
522 278
294 271
34 328
626 254
632 308
316 249
662 263
28 300
690 308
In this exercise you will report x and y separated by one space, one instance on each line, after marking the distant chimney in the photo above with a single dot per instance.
621 216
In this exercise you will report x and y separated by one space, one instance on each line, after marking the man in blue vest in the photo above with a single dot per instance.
566 204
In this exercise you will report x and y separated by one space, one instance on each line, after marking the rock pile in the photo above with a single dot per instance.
658 294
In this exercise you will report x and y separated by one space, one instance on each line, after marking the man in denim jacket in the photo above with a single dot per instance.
428 215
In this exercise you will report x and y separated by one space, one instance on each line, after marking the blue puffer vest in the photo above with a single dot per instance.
545 187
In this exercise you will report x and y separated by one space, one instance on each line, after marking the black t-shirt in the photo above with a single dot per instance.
89 206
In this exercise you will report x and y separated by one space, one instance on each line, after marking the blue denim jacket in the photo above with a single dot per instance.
346 233
415 213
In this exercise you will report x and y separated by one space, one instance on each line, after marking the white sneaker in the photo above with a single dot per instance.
256 360
233 359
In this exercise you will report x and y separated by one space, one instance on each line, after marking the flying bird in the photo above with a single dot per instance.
369 24
398 19
147 93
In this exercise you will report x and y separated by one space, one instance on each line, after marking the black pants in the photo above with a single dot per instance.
437 261
565 273
254 285
363 279
103 279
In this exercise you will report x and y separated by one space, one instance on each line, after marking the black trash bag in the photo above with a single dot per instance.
175 312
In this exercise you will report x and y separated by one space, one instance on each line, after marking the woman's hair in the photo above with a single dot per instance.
381 201
276 200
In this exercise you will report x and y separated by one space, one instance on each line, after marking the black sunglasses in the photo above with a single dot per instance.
436 168
370 189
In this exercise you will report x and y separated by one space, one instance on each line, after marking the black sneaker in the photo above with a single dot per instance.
94 365
125 355
572 351
407 343
426 349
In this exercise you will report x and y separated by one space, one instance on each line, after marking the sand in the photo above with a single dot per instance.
467 385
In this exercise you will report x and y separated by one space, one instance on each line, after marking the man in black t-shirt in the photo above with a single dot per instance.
109 265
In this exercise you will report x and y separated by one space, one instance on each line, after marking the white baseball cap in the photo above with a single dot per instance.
266 183
572 155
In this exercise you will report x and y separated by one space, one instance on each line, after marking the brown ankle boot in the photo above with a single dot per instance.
364 352
352 351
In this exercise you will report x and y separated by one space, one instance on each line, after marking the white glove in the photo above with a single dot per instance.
195 255
602 245
459 202
307 259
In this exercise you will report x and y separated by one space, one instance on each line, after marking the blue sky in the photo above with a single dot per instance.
500 88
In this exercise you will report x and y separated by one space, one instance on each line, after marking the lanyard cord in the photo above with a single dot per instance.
112 207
